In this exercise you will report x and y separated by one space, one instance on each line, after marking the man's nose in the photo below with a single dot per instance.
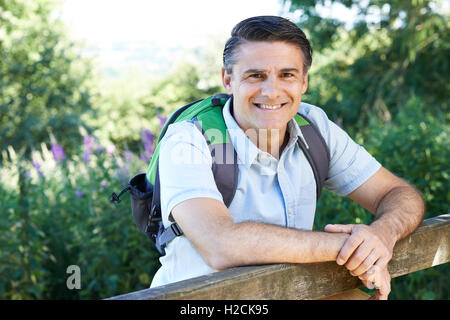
271 88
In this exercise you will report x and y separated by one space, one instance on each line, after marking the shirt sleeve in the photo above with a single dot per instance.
184 168
350 163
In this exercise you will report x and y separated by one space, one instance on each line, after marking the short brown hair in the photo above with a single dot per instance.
266 28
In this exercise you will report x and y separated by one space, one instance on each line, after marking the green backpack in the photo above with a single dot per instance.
207 114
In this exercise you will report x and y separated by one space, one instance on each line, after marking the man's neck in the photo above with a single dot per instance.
272 141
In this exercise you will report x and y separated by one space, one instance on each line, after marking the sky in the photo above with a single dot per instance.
148 35
145 34
166 22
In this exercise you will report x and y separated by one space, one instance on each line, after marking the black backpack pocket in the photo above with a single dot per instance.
141 200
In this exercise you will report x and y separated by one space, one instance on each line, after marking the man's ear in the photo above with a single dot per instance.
226 81
305 82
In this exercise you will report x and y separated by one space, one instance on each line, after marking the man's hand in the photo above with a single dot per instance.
380 279
363 248
366 254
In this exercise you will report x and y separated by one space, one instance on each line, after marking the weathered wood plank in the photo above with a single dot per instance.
428 246
354 294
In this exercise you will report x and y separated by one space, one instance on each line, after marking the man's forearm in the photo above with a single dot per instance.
399 213
223 244
257 243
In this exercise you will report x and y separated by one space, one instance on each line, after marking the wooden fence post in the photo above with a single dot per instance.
428 246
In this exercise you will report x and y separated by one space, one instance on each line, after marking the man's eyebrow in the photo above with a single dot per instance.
254 71
290 70
262 70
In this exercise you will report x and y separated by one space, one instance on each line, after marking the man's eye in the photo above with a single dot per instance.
287 75
256 76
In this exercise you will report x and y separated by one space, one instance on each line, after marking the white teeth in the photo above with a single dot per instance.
265 106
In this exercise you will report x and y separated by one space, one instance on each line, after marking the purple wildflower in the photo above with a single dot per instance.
79 193
162 120
86 156
144 157
122 174
37 166
128 155
103 185
89 143
147 139
58 152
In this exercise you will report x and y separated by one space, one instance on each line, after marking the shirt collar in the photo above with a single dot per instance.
245 149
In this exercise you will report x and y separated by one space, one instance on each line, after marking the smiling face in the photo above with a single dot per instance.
267 83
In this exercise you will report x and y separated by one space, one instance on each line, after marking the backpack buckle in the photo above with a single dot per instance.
176 229
151 217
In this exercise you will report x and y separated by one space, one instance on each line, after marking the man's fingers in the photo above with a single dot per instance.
368 260
369 284
371 275
379 278
348 248
339 228
359 257
385 287
382 293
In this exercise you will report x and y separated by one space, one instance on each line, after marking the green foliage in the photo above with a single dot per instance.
414 132
43 82
373 68
126 107
70 221
414 146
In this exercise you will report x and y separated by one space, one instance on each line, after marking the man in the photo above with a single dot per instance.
266 64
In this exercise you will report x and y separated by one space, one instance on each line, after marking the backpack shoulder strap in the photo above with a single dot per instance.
224 167
315 149
224 163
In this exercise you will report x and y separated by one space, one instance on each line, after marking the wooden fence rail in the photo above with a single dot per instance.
428 246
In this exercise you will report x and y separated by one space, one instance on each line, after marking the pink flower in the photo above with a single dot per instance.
89 143
111 149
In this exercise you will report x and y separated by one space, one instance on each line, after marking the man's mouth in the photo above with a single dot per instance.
269 106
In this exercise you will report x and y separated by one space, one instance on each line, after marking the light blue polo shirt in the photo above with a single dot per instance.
280 192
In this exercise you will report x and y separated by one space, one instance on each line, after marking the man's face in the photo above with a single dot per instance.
267 84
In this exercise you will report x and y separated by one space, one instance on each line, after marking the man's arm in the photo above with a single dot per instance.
398 210
222 243
397 206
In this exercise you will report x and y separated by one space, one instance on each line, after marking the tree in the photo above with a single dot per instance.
394 50
43 80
